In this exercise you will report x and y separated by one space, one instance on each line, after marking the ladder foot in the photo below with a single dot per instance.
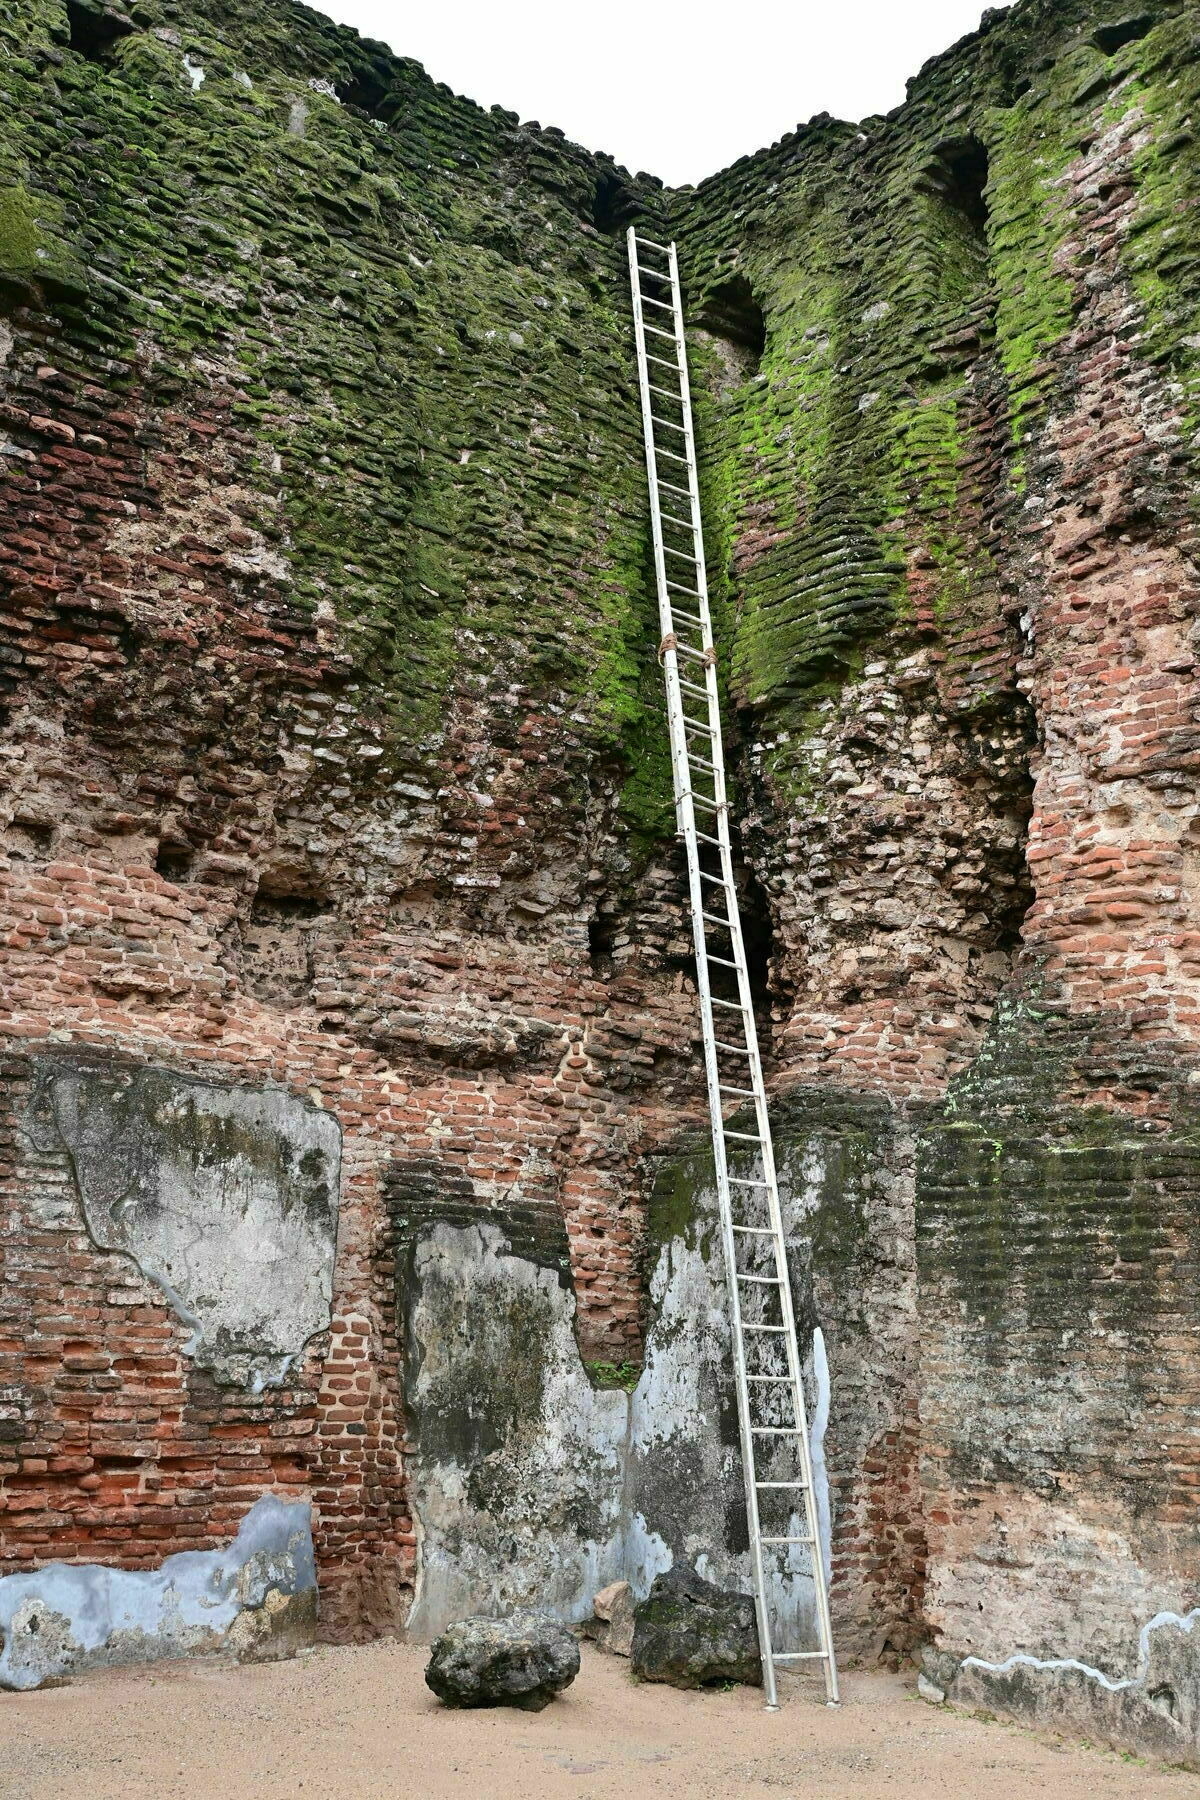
770 1706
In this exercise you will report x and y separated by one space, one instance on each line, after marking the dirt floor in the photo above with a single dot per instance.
359 1724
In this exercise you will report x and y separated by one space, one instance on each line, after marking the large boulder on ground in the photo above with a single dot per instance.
691 1634
519 1661
611 1628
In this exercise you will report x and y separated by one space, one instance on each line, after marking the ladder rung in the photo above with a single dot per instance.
761 1280
670 335
723 960
680 612
684 555
744 1137
648 300
662 362
759 1231
654 274
693 689
672 520
668 423
696 655
773 1430
702 762
717 880
678 589
671 457
794 1655
776 1484
665 393
734 1050
663 249
741 1181
714 920
729 1005
717 844
788 1379
776 1330
748 1093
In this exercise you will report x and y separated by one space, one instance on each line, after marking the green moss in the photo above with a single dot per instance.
607 1375
1161 251
672 1210
1030 146
31 246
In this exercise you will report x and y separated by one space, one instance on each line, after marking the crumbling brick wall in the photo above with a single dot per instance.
951 458
332 734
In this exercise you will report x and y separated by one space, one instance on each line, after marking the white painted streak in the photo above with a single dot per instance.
820 1471
1023 1660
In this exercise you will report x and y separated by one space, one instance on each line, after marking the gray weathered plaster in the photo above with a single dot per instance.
518 1472
225 1196
685 1493
256 1599
531 1487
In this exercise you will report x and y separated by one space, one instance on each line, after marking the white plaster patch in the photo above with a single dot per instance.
66 1617
531 1488
225 1197
529 1513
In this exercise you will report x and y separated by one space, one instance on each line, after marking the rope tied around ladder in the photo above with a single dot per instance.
671 642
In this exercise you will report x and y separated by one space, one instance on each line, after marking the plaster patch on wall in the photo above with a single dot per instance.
225 1197
817 1429
685 1470
530 1487
517 1477
256 1599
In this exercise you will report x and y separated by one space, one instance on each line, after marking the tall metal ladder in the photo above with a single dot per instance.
770 1393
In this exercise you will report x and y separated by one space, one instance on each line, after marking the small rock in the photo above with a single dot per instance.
612 1627
692 1634
929 1690
520 1661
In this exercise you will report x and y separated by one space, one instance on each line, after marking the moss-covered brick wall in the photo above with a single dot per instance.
335 764
949 364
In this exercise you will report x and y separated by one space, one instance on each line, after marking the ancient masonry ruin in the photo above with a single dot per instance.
353 1159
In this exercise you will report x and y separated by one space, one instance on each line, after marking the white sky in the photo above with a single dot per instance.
678 89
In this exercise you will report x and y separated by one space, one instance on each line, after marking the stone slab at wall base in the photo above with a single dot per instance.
256 1600
1155 1711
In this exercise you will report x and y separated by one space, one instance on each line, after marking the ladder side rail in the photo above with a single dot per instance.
685 814
724 1194
779 1244
750 1029
721 835
697 520
779 1240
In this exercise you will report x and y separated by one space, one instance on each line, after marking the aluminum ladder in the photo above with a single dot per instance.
772 1414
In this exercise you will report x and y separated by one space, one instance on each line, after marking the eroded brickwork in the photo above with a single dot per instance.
334 759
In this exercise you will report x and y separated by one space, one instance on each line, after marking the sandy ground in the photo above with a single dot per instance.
359 1724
